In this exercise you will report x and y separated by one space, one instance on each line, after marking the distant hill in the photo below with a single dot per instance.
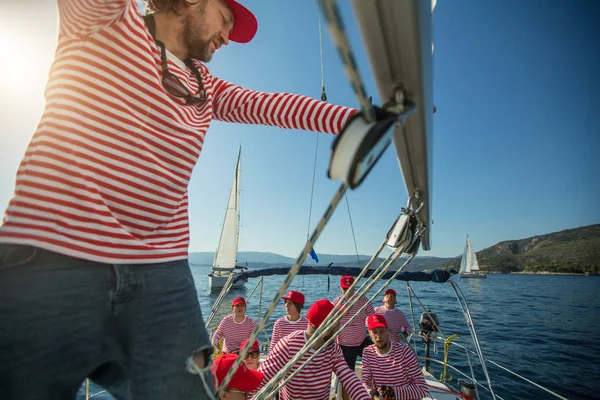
257 259
569 251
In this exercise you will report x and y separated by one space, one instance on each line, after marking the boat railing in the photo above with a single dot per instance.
486 384
495 364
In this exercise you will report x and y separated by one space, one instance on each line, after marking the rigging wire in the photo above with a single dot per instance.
352 229
323 98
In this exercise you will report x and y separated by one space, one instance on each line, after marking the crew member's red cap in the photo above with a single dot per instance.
376 321
254 346
294 296
317 313
238 300
346 282
390 291
245 24
244 378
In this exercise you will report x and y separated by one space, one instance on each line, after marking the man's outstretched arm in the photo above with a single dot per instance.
233 103
84 17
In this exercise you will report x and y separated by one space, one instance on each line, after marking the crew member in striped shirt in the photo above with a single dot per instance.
352 339
234 328
293 321
252 359
94 242
391 366
243 381
313 382
396 321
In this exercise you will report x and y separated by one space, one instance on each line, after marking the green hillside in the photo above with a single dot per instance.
569 251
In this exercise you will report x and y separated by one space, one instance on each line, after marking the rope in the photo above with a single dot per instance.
445 376
352 229
284 286
338 32
323 94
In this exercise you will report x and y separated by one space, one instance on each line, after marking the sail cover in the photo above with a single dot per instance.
437 275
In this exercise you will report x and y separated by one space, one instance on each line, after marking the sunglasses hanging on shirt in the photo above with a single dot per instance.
170 82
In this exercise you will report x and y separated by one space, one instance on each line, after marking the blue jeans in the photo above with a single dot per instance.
130 328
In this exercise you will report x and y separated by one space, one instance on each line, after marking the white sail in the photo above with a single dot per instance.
473 264
464 263
469 261
226 255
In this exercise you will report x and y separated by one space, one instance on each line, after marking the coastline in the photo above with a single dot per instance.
542 273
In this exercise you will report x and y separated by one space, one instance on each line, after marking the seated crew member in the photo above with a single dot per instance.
390 368
243 381
398 326
293 321
253 357
234 328
312 382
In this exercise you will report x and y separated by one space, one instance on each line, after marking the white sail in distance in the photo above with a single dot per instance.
226 255
469 261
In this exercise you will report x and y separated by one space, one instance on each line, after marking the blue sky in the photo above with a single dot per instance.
515 140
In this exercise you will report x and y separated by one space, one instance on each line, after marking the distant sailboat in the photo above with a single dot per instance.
226 255
469 267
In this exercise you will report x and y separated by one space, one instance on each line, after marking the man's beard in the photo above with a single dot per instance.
382 345
192 34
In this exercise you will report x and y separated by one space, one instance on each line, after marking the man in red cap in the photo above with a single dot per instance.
293 321
313 382
96 234
234 328
253 356
244 380
353 338
397 324
390 366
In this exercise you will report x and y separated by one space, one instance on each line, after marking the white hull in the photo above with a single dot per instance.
472 275
218 281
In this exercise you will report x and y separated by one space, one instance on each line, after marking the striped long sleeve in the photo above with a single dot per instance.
355 333
396 320
84 17
313 382
105 177
233 333
284 327
398 368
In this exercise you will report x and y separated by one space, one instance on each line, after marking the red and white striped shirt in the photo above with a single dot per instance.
313 382
398 368
396 322
233 333
283 327
106 173
355 333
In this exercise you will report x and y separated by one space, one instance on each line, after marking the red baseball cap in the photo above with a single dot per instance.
238 300
346 282
317 313
390 291
254 346
244 378
376 321
245 24
294 296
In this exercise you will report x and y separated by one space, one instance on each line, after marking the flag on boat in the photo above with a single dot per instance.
314 255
